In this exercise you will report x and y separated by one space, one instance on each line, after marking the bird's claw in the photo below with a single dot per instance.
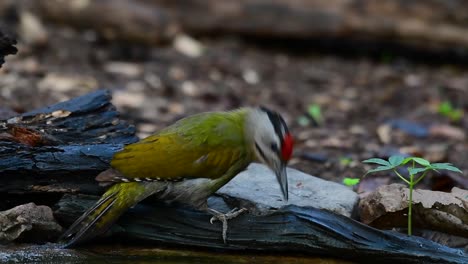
224 217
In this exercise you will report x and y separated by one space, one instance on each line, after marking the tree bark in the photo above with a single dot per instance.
61 148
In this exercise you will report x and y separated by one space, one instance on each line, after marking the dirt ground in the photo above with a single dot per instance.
361 97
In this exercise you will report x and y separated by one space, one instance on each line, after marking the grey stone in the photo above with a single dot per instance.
31 222
258 185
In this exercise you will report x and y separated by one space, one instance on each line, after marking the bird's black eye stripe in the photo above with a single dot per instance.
277 121
260 151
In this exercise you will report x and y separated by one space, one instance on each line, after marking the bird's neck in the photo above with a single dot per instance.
251 123
245 118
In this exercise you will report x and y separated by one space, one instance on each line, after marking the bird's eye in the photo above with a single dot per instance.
274 147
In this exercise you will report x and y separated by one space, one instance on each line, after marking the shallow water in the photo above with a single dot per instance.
52 253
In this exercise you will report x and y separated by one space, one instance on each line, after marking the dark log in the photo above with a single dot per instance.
114 20
61 148
290 230
6 47
404 22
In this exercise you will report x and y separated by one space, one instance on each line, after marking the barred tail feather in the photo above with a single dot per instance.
103 214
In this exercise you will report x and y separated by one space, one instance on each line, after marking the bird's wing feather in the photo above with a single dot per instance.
205 149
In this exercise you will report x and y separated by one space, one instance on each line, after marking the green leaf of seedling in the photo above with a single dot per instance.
445 108
377 161
414 171
350 181
345 161
408 159
380 168
421 161
396 160
316 113
445 166
456 115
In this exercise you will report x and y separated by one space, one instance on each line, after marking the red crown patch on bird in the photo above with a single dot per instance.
286 151
281 129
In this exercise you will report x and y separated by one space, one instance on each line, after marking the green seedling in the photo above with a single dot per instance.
446 109
417 170
350 181
345 161
315 112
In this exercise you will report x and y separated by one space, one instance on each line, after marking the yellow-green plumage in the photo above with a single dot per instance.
200 146
187 161
103 214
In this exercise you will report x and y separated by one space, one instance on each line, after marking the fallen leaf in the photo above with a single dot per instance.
384 133
188 46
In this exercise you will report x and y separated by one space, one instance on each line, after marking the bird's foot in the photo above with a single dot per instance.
225 217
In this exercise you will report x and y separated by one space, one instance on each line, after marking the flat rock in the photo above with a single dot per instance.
29 222
445 212
258 185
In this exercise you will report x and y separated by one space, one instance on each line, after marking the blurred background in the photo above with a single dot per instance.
354 79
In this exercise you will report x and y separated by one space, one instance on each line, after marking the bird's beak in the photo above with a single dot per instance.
282 178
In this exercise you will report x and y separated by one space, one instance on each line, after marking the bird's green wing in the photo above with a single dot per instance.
201 146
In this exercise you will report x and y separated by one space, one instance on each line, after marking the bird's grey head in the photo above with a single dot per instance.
272 142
